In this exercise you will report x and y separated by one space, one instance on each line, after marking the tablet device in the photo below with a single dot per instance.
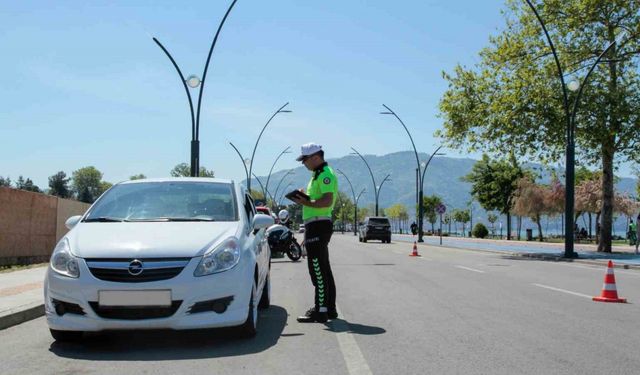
297 194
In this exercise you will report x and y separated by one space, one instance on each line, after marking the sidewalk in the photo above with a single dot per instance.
21 296
622 255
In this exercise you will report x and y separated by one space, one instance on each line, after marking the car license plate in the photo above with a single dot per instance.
379 227
134 298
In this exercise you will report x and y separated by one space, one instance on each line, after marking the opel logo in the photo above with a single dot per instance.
136 267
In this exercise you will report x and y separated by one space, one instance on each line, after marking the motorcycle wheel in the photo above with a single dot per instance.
294 252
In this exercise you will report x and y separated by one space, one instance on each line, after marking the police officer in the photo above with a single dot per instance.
316 214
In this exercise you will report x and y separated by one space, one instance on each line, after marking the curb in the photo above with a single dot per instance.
596 262
21 314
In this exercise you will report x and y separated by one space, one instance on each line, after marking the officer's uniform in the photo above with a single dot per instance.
318 230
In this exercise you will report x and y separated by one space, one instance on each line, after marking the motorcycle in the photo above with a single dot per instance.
282 241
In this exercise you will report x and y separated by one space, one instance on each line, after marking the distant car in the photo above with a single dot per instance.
301 228
179 253
375 228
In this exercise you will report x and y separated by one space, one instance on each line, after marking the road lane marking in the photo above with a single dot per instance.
562 290
469 269
356 364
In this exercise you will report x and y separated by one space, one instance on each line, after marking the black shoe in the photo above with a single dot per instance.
332 314
314 317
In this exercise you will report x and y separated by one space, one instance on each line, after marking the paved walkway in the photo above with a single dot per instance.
21 295
621 254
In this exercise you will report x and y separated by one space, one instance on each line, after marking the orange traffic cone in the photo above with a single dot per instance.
609 292
414 253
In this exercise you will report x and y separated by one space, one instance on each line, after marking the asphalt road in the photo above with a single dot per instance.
450 311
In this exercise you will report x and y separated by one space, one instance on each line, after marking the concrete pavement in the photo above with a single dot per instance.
21 296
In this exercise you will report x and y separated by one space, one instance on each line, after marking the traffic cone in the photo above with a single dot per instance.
414 253
609 292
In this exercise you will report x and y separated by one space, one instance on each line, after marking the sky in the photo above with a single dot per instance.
84 84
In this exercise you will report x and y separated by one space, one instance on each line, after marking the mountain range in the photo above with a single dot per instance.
443 178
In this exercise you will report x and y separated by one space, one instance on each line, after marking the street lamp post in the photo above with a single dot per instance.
193 81
375 187
420 173
379 187
570 117
285 151
264 191
243 160
253 154
353 193
289 172
355 216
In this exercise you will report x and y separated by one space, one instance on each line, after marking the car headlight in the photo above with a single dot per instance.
222 258
63 262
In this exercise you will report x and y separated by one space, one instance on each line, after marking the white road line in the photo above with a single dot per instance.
598 268
356 364
563 291
469 269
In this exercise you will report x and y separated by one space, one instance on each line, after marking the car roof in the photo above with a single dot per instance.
178 179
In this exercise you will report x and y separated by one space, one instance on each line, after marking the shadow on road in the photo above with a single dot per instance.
341 325
173 345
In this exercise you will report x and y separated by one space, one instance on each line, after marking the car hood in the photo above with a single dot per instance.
148 240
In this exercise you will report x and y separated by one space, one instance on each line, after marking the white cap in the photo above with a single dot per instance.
308 149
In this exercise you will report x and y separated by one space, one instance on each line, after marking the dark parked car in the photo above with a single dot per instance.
375 228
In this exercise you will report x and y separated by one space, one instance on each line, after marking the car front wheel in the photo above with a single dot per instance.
250 326
265 300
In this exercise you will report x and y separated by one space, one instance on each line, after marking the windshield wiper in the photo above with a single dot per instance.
104 219
173 219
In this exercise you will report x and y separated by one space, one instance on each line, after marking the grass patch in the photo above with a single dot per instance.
7 269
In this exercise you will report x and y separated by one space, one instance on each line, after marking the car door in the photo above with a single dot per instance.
257 241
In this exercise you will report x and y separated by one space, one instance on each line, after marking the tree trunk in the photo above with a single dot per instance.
508 226
519 221
589 213
539 227
608 150
607 200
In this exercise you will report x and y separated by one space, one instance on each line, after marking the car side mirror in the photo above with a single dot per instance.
72 221
261 221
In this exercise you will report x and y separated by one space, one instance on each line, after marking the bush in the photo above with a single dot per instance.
480 231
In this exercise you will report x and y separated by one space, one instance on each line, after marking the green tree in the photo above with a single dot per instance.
27 185
492 218
493 183
511 100
530 200
59 185
5 181
86 183
480 231
138 177
429 204
184 170
462 216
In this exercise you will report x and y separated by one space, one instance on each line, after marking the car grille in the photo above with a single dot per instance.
135 313
121 271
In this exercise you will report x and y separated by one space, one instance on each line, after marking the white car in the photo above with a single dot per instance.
179 253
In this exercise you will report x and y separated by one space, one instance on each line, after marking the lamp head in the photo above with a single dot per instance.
193 81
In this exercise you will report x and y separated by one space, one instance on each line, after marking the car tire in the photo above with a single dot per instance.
66 336
364 239
250 326
265 300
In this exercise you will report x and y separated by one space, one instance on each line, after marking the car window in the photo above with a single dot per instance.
169 200
378 221
249 207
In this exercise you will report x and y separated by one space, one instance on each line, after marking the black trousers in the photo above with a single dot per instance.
317 237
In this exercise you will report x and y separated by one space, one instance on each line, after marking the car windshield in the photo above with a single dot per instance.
378 221
166 201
